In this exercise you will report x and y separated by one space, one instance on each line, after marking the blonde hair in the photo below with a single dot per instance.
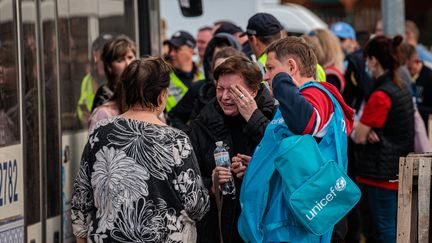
316 47
331 48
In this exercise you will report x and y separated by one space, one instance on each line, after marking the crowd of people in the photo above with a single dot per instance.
148 172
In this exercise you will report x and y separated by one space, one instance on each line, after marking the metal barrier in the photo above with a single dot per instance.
413 217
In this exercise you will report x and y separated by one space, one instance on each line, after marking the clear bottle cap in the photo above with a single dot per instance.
219 143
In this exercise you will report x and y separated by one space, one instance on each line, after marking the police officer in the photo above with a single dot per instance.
262 29
181 51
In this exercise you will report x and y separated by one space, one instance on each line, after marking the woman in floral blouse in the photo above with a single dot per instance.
139 180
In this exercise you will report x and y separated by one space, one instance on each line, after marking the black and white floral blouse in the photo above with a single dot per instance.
138 182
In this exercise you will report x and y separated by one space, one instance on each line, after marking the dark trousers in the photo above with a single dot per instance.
383 207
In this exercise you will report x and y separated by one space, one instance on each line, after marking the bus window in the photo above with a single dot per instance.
81 73
74 64
118 19
9 105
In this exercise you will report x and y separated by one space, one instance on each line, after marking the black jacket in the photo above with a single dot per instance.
381 160
201 92
358 83
103 94
240 137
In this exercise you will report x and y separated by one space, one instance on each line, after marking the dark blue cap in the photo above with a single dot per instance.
229 28
181 38
263 24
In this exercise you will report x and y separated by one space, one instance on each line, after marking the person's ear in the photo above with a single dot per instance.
292 66
162 96
253 39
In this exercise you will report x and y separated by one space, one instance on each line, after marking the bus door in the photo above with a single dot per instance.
41 130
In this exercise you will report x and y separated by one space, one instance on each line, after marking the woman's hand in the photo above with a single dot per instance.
361 133
224 175
373 137
244 100
239 164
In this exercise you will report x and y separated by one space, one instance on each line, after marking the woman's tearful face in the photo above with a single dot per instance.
224 95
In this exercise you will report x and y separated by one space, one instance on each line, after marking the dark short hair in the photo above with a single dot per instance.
226 52
113 50
242 66
144 80
362 38
205 28
228 28
268 39
299 50
222 21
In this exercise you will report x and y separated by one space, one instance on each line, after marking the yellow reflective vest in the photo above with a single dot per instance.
177 89
262 60
320 74
87 96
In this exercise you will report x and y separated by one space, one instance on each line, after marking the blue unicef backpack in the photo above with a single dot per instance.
288 178
318 190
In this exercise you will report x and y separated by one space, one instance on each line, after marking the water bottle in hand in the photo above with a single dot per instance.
222 159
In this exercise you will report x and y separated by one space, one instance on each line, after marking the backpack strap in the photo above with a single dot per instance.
337 114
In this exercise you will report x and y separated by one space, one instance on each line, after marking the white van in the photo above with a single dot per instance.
294 18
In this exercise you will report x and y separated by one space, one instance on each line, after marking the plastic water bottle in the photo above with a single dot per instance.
222 158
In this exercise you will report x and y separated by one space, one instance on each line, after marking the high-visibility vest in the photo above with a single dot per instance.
261 64
320 74
262 60
177 89
87 96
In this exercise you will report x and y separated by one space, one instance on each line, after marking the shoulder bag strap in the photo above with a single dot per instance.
337 115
